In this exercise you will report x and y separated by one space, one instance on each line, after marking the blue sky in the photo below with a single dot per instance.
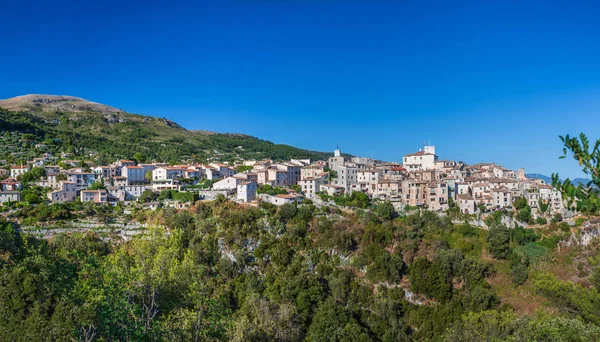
483 82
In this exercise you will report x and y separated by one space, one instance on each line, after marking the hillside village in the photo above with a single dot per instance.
422 180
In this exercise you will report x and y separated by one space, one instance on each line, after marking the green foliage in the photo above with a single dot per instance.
508 326
288 211
148 196
34 174
520 203
97 185
270 190
356 200
584 198
243 168
543 205
570 298
498 241
385 210
524 215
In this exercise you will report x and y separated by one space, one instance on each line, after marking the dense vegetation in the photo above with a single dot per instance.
223 272
21 131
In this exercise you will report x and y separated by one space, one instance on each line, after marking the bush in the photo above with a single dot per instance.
498 239
288 211
519 273
540 220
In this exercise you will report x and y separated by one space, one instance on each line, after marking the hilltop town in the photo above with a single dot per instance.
422 180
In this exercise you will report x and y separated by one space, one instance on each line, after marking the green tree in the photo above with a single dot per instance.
520 203
498 241
148 196
385 210
581 197
287 211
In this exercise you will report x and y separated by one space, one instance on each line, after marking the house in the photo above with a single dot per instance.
10 196
134 174
194 173
369 179
147 167
421 160
224 169
4 173
83 180
125 162
389 189
292 172
212 173
95 196
311 171
333 190
166 184
165 172
119 181
18 170
277 177
281 198
104 172
67 192
133 192
502 198
10 184
229 183
337 159
246 191
438 196
310 186
52 169
247 175
467 204
346 176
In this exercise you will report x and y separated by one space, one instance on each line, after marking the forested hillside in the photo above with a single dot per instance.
220 271
83 127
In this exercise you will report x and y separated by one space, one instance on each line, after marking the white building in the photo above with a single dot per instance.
9 196
95 196
18 170
165 173
281 199
422 160
229 183
82 179
66 193
346 176
134 174
246 191
310 186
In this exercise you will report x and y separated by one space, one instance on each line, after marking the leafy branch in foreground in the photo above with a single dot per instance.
584 198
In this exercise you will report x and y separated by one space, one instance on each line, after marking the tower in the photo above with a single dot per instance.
337 152
429 149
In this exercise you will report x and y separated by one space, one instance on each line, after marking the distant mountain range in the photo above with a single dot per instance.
548 180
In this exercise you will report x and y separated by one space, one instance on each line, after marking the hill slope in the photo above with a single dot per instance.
90 126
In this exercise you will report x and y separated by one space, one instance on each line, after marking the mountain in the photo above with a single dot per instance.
89 126
548 180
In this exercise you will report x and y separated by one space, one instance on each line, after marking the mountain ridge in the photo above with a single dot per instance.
548 179
64 114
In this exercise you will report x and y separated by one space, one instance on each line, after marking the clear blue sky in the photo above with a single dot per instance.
483 82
